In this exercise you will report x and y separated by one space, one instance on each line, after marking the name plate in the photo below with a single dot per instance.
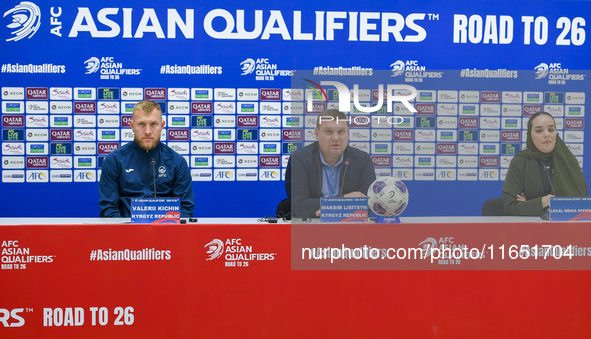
155 210
343 209
570 209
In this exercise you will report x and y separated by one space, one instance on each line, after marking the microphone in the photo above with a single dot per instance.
344 175
154 173
304 216
546 168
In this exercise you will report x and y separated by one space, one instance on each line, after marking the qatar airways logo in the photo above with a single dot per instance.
446 148
317 108
404 135
248 121
532 109
510 136
425 108
381 160
13 121
126 120
155 93
488 162
269 161
107 147
293 134
178 135
37 93
468 122
223 147
61 134
84 107
201 108
486 97
271 94
37 162
574 123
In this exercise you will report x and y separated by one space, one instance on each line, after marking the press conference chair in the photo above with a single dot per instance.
493 208
284 207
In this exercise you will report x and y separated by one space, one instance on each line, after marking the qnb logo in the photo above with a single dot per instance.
26 19
215 249
541 70
247 66
92 65
397 68
6 315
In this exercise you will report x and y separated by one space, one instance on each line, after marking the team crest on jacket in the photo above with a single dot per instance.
161 171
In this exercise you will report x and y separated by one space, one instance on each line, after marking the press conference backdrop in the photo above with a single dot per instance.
224 74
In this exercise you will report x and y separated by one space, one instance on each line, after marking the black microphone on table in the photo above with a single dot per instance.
546 168
154 172
546 213
344 175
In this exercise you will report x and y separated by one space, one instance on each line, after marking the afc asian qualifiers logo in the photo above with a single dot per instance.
248 66
92 65
541 70
235 253
397 68
428 245
26 19
215 249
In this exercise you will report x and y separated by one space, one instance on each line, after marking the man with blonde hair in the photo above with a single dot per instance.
131 170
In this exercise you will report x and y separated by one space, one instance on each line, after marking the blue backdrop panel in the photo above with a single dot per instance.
176 46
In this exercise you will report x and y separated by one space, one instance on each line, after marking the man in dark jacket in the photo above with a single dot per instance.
328 167
130 171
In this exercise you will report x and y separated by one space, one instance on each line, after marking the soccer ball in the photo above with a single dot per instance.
387 197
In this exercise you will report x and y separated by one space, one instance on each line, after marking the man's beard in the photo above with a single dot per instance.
138 141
